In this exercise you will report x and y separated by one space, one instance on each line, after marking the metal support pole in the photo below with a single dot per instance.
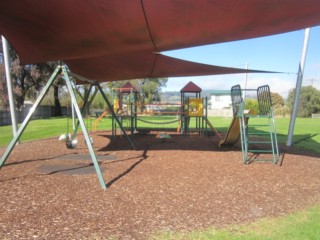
86 103
245 82
298 87
9 85
28 117
206 117
115 116
83 127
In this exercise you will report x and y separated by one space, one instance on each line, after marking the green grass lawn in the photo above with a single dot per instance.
302 225
306 134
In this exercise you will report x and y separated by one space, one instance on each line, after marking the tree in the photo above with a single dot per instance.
4 103
277 100
251 104
309 101
149 89
28 80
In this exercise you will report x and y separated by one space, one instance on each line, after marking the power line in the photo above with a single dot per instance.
312 80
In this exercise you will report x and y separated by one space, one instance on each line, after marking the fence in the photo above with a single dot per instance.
39 113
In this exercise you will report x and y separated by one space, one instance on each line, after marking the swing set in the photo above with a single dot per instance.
62 70
71 141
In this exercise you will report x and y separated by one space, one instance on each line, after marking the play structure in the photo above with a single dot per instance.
190 115
258 139
195 108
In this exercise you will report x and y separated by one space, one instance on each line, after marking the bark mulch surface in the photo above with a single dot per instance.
178 184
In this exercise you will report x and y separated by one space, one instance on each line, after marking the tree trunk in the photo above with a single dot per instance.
57 112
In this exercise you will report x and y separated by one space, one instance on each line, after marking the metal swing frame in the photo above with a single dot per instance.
62 69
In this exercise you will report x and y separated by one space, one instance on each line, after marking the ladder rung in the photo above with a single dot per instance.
260 151
265 160
259 142
259 125
258 133
258 116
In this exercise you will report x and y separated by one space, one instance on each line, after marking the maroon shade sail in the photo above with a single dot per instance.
144 65
126 34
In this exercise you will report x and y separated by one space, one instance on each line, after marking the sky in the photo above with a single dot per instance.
280 53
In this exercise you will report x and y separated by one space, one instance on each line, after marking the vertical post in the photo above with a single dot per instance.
245 82
298 87
115 116
206 117
111 108
9 85
83 127
83 112
131 109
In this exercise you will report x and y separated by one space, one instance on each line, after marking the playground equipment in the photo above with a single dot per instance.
160 115
233 134
99 119
194 108
61 69
125 108
262 132
190 115
70 136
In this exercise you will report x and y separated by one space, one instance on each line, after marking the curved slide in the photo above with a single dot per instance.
233 133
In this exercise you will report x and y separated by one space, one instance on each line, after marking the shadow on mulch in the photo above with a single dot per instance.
152 141
76 164
177 141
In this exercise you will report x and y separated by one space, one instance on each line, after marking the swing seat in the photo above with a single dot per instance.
72 144
65 137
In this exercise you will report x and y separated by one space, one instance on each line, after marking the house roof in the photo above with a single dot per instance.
116 40
191 88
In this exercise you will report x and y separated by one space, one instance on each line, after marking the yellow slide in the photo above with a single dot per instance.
233 133
99 119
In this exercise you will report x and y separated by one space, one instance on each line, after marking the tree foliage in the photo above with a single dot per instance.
309 102
27 80
251 104
277 100
149 89
4 103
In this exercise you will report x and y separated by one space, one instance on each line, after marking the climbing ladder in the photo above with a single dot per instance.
258 140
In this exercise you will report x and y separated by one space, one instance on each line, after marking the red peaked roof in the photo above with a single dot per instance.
126 88
191 88
115 40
